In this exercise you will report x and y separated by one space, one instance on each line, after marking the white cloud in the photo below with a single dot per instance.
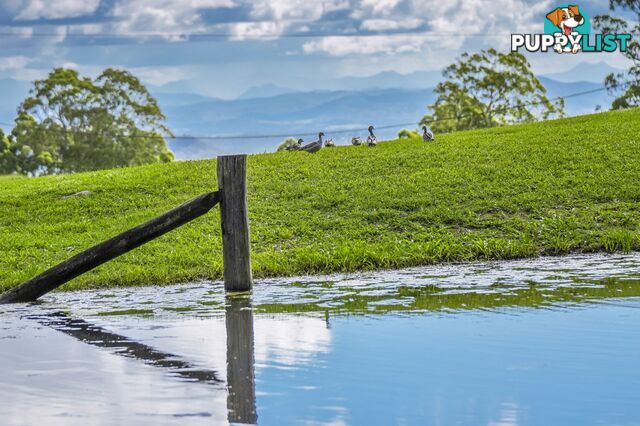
287 9
265 29
27 74
17 32
283 341
39 9
383 44
70 65
294 340
391 24
10 7
88 28
451 23
161 75
375 8
163 15
294 10
275 17
13 62
18 68
487 16
272 17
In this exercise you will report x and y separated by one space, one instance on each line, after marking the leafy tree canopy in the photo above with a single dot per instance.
487 89
6 156
625 85
71 123
286 144
407 134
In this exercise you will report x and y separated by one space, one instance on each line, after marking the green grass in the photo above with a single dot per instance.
519 191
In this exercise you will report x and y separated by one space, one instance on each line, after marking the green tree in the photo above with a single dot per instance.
487 89
71 123
407 134
625 85
7 158
286 144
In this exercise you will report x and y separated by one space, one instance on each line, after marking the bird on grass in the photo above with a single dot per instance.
295 146
371 139
313 146
329 143
356 141
427 134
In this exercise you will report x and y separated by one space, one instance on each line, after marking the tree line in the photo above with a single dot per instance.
489 88
70 123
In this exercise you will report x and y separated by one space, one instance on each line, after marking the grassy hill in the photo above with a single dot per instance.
527 190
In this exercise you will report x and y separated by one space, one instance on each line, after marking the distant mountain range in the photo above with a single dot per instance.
384 80
582 104
291 115
592 73
265 91
349 102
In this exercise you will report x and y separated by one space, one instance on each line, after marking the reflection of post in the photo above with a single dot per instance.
241 401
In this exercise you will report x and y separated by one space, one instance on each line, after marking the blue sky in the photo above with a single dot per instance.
258 42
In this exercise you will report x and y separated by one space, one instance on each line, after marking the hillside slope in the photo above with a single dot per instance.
527 190
352 102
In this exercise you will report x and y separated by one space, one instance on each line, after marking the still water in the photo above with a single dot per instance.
530 342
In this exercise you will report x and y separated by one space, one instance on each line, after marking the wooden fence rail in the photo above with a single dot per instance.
235 231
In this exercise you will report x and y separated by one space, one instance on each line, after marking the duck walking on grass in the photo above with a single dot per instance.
329 143
313 146
371 139
356 141
427 134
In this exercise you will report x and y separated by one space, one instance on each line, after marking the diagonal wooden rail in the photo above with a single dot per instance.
110 249
232 196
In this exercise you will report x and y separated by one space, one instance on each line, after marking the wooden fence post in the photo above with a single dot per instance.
232 184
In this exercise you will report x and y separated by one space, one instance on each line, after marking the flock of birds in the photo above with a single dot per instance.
315 146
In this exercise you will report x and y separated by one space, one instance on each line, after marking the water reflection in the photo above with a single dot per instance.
545 341
241 399
540 283
97 336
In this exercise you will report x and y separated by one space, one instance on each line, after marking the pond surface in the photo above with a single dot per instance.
528 342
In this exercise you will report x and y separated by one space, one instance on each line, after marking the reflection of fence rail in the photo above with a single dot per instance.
95 335
241 397
235 237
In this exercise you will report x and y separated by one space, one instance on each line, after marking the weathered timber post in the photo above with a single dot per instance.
110 249
232 184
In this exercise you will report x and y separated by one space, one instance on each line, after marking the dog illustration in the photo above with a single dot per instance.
566 18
